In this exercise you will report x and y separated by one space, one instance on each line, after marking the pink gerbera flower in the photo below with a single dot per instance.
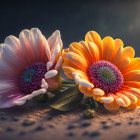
28 66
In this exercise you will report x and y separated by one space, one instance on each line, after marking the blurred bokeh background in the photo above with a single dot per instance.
117 18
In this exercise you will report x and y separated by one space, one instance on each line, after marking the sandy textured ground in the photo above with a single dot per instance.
35 121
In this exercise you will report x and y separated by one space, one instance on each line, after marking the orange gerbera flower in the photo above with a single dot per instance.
104 70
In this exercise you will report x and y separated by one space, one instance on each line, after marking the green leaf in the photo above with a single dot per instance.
41 98
90 103
68 83
67 99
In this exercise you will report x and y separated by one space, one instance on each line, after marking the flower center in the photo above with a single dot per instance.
30 80
106 76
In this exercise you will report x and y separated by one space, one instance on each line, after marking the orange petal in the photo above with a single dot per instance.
117 56
77 60
68 71
93 49
132 76
132 106
124 63
111 106
132 97
108 48
132 84
64 53
134 65
122 100
97 98
85 90
94 37
128 52
118 43
135 92
81 50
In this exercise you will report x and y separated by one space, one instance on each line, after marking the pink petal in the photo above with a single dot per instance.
55 39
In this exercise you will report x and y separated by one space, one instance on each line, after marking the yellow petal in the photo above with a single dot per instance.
94 37
85 90
108 48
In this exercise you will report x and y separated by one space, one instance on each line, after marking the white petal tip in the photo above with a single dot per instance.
74 74
98 91
85 83
44 84
51 73
77 79
107 99
18 102
120 102
23 100
49 65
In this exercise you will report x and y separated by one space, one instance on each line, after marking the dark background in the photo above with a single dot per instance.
117 18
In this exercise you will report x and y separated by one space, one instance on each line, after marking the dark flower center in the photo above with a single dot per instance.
106 76
30 80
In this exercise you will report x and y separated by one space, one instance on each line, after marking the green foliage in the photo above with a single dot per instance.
89 113
67 99
42 98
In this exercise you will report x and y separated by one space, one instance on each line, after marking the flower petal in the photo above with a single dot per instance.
22 100
135 92
77 60
132 97
51 73
128 52
116 58
118 43
94 37
107 99
85 90
55 39
44 84
85 83
132 76
132 84
123 100
108 48
58 64
134 65
93 49
98 92
124 63
112 106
